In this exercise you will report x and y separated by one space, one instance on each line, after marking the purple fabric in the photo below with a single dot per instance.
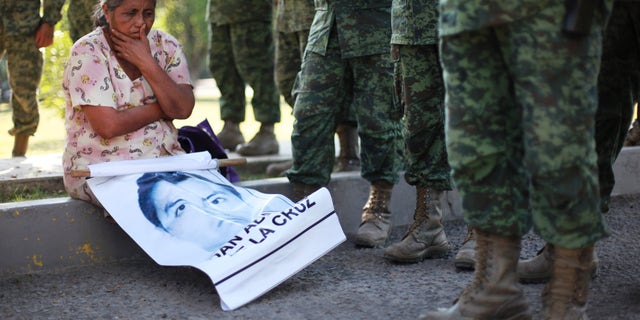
202 138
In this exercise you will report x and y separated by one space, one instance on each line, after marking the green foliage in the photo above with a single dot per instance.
51 94
24 193
186 20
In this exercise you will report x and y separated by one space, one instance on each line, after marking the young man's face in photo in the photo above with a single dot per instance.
191 210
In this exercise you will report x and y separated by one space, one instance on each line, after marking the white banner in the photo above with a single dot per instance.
246 241
183 162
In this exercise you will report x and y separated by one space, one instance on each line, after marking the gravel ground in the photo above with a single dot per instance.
347 283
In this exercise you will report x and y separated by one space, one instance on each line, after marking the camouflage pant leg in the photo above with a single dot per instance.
420 88
80 17
379 119
289 50
319 94
328 84
253 50
520 126
222 66
618 88
24 66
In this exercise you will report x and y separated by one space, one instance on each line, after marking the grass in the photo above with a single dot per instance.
26 194
51 134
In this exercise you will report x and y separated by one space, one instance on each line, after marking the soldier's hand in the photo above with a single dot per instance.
44 35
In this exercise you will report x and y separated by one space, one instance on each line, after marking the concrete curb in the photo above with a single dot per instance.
51 234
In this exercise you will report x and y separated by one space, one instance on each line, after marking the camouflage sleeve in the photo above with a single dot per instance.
52 11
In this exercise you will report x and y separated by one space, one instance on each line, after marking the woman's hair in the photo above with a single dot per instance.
98 15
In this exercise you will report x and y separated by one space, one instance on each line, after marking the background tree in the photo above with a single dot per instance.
186 21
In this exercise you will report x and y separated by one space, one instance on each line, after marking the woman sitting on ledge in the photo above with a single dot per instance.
124 84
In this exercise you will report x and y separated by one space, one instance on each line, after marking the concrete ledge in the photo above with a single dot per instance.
55 233
51 234
627 172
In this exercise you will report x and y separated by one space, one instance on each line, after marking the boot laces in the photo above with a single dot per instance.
480 273
469 236
376 204
423 199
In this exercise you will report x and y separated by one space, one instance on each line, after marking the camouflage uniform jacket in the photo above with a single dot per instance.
294 15
464 15
22 17
414 22
363 26
221 12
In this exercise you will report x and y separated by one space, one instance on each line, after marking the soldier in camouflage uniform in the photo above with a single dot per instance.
80 15
22 32
293 20
521 98
419 88
618 90
241 52
347 62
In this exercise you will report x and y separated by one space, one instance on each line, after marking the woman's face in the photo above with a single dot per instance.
191 210
130 16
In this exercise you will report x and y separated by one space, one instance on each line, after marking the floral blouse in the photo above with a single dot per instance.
93 76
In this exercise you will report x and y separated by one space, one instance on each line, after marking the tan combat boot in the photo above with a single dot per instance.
425 237
20 144
263 143
466 256
565 296
301 190
633 136
278 169
494 292
230 136
539 268
376 217
348 159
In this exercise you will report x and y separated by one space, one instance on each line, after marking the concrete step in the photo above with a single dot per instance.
50 234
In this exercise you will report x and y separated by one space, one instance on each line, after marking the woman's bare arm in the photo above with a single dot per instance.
109 122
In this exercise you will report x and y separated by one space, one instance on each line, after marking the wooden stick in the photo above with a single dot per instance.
80 173
232 162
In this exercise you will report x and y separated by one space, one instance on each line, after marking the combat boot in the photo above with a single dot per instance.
263 143
301 190
426 237
633 136
278 169
348 159
539 268
494 292
230 136
20 144
466 256
565 296
375 225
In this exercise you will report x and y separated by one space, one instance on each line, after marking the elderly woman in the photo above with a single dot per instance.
124 84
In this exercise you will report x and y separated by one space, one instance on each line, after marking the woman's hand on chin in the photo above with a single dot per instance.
136 50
